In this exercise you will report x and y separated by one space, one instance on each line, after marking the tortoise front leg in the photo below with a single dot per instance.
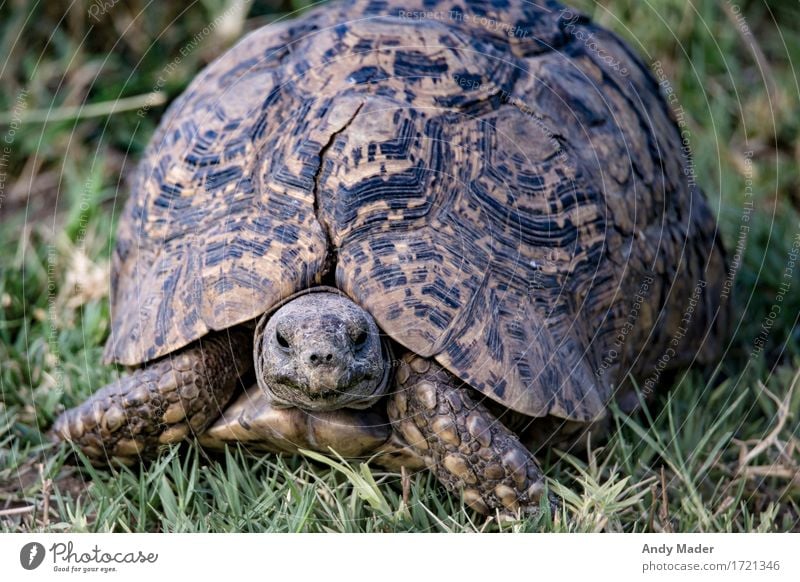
465 446
161 403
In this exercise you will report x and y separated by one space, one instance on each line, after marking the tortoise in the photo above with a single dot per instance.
437 235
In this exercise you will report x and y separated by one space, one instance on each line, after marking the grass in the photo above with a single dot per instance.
707 455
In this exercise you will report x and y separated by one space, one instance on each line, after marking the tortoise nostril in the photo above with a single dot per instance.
316 358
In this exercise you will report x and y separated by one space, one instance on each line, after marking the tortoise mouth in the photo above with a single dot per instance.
351 391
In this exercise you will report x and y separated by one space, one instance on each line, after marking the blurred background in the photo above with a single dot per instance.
82 87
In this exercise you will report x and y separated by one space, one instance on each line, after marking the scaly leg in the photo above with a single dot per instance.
462 442
160 404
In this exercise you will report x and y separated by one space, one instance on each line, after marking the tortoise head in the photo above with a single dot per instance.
321 351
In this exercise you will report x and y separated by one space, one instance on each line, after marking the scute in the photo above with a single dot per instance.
421 62
220 224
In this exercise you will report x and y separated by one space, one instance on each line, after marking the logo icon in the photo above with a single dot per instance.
31 555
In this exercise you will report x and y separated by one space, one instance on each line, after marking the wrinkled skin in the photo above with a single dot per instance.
321 352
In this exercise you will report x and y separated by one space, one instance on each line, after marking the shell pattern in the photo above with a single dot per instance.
499 193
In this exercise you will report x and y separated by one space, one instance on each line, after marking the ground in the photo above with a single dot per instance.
81 94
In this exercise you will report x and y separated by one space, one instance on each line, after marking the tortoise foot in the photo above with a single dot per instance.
468 449
160 404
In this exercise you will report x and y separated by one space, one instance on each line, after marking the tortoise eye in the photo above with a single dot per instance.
360 339
281 339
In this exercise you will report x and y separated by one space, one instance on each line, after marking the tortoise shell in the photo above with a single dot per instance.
496 191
